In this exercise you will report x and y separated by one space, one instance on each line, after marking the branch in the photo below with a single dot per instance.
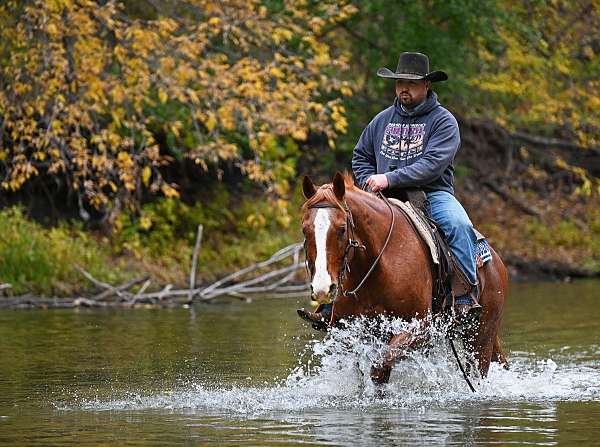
281 254
110 290
241 286
542 141
195 261
511 199
360 37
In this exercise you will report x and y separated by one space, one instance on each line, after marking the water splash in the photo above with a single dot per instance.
334 373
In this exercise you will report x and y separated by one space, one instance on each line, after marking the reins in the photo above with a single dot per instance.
460 365
352 293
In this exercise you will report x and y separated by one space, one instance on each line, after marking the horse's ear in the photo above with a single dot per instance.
339 188
308 187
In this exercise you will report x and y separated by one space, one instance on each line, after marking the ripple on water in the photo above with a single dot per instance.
334 373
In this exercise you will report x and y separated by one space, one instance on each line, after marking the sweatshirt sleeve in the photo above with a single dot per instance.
364 163
438 155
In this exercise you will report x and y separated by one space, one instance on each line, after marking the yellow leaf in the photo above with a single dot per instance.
210 123
162 95
561 163
175 127
346 91
277 72
146 174
169 191
145 223
52 30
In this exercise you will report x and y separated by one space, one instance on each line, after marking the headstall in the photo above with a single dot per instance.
353 244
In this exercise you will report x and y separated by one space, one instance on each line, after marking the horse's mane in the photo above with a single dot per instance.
325 193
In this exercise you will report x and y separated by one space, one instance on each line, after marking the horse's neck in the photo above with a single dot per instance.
372 220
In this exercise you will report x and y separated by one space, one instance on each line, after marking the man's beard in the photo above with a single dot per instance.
408 103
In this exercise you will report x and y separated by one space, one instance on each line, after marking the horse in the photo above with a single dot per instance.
364 255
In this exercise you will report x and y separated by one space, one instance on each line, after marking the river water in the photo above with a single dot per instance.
254 374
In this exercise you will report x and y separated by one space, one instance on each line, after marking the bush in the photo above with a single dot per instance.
239 229
41 260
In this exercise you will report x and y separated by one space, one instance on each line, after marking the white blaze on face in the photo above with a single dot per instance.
321 280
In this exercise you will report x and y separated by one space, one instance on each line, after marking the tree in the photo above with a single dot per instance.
101 101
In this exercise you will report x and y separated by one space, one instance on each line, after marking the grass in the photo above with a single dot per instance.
42 260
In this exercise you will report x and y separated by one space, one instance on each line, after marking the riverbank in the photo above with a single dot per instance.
154 251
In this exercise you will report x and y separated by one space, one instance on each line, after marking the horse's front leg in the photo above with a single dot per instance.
396 350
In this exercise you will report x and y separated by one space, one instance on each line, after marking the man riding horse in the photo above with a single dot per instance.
412 144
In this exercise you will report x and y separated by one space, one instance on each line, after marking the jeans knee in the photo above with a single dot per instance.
464 225
460 228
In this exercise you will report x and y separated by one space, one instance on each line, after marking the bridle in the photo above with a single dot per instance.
352 244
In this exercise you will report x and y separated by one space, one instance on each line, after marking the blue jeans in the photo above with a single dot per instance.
454 222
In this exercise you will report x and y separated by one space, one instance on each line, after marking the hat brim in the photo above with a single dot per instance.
434 76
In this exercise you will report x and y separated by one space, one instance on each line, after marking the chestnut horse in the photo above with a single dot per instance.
365 257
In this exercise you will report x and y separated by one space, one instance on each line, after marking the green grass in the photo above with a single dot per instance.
42 260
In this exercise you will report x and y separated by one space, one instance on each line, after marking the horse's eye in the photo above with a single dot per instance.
342 230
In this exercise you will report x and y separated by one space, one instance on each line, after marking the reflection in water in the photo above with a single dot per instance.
253 374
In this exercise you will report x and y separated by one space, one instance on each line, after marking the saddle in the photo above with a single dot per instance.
449 279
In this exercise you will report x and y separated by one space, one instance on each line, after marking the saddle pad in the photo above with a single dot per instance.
483 251
422 227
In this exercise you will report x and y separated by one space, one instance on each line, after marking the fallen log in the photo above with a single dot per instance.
273 277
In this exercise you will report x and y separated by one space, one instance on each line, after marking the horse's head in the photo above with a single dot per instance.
328 228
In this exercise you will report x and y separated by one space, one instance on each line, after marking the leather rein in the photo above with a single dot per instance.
354 244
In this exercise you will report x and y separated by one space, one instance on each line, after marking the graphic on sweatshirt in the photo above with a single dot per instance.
403 141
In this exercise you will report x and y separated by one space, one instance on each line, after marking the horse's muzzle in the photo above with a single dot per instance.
323 297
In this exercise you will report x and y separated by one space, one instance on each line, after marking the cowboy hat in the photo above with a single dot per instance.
413 66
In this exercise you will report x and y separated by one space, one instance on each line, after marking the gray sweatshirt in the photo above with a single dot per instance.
412 148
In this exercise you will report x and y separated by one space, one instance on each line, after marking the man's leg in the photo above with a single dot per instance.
453 220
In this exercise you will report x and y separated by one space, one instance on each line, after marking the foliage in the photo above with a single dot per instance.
445 30
41 260
237 230
530 65
113 99
544 75
102 101
572 239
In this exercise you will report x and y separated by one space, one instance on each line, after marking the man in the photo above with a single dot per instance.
412 144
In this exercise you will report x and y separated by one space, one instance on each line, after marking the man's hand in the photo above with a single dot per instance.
377 182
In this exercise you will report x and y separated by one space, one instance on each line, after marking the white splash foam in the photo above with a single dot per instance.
335 374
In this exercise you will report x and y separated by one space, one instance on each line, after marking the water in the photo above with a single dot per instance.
253 374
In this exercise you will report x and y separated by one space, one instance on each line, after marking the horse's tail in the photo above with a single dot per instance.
498 353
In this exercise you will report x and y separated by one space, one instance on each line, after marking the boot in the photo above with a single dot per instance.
466 318
467 311
319 319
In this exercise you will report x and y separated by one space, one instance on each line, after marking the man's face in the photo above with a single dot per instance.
411 93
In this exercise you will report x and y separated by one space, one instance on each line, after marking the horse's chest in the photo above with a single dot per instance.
356 308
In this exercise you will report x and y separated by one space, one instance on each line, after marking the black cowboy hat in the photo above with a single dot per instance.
413 66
